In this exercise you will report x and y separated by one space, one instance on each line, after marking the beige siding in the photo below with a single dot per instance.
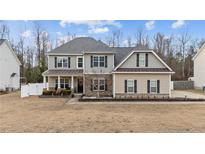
153 62
199 69
73 63
142 82
89 69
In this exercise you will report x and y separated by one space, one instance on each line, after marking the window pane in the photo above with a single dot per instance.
95 61
130 89
130 85
142 59
102 84
95 84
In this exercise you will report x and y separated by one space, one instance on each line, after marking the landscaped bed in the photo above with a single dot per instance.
83 99
61 93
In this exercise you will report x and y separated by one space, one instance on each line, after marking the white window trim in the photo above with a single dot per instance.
133 86
150 87
98 60
62 61
142 55
62 82
77 62
93 81
98 84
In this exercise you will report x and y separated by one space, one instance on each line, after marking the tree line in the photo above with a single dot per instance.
176 50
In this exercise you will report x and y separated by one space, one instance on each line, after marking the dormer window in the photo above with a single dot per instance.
142 60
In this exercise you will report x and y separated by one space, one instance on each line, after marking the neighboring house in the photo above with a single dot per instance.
9 67
91 67
199 68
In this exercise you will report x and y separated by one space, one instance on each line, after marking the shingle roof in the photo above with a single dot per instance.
1 41
82 44
142 70
121 53
57 72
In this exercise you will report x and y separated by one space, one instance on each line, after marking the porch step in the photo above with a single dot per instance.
77 95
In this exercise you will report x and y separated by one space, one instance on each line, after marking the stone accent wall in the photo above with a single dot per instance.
141 96
88 82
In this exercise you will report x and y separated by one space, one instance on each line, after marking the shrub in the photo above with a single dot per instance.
47 92
65 92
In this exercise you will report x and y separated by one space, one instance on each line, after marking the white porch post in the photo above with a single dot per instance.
59 82
44 81
47 85
72 84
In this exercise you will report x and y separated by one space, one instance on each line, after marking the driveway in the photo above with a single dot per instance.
187 94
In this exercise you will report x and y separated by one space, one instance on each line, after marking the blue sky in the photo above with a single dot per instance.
100 29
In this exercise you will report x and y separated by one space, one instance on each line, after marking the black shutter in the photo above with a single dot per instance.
148 86
55 62
137 59
158 86
135 85
105 61
91 61
146 60
105 84
125 86
68 62
91 85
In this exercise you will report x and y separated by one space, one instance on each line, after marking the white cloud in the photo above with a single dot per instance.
178 24
150 25
26 34
91 23
58 33
97 30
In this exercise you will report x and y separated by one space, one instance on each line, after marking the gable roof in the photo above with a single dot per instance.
199 51
82 45
134 51
12 51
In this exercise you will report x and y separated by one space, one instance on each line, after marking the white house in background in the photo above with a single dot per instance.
199 68
9 67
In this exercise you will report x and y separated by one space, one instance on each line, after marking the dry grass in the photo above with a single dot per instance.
53 115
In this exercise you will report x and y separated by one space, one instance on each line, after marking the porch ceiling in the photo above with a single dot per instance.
70 72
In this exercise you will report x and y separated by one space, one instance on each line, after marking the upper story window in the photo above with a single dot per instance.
62 62
142 60
79 62
99 61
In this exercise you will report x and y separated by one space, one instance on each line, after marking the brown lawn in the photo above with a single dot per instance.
53 115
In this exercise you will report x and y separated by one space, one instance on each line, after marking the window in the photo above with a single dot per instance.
102 85
99 61
62 62
64 83
130 86
153 86
95 84
80 62
99 84
95 61
142 60
102 61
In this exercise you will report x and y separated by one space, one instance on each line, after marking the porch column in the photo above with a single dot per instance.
72 84
44 81
47 85
59 82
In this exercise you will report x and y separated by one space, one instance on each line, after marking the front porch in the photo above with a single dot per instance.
65 79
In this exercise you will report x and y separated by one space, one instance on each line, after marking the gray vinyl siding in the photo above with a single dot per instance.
153 62
89 69
73 62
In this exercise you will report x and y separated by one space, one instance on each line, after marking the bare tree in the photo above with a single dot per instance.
37 34
4 32
183 39
142 40
129 41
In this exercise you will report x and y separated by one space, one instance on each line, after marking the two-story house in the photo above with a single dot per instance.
92 68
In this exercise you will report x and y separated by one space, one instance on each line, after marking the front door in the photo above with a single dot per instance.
80 85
